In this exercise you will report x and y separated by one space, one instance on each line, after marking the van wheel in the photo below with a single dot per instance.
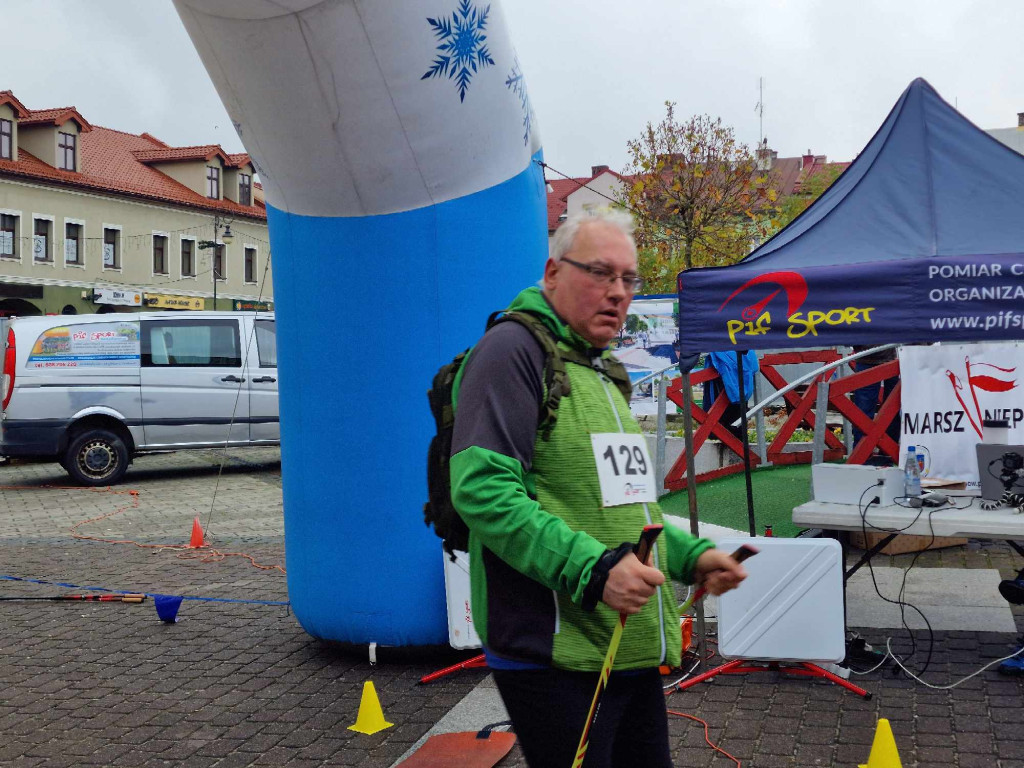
96 457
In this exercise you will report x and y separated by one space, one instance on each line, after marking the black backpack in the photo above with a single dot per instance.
439 511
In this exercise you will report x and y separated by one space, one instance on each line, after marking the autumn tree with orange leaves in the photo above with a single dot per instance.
697 196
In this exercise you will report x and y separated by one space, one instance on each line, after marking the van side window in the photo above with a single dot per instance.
191 343
266 342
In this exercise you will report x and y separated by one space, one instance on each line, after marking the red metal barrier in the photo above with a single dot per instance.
710 423
801 413
874 429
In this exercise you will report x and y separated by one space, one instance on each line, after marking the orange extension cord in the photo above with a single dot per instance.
707 738
185 552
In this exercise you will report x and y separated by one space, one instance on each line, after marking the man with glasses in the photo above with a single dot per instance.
553 512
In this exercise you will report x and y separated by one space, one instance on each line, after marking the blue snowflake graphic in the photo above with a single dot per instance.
517 84
461 49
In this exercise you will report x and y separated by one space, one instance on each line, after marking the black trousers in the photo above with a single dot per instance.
548 708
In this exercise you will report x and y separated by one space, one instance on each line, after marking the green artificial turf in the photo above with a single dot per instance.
777 490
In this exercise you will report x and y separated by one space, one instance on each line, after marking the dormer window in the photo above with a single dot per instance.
244 189
66 151
213 182
6 140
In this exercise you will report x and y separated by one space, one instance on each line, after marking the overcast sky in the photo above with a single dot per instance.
597 70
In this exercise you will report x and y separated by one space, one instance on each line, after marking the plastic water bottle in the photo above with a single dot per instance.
912 473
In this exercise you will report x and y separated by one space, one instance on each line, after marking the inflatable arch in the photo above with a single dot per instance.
396 146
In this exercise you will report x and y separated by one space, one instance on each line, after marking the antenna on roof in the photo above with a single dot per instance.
759 108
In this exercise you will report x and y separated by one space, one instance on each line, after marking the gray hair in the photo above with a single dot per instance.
565 235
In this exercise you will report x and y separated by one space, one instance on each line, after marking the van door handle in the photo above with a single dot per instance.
264 380
235 379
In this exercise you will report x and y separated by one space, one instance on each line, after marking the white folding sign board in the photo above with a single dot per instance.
461 632
790 608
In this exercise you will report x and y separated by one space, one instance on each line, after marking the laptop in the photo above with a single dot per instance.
990 465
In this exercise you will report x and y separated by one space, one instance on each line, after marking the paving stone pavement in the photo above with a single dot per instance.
241 684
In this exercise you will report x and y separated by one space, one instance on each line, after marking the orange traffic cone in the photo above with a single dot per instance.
196 541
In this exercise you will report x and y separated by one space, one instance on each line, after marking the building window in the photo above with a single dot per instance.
8 236
66 151
213 182
159 255
72 243
218 262
111 248
250 265
188 260
41 241
6 140
244 189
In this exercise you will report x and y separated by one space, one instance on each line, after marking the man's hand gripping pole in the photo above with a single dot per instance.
642 550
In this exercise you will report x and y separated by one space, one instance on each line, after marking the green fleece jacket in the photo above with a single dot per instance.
536 520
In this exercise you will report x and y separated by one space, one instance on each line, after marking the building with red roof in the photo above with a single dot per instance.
567 196
91 215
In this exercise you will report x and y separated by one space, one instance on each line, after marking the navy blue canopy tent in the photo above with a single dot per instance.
921 239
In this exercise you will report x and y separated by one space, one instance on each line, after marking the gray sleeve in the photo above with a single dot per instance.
500 394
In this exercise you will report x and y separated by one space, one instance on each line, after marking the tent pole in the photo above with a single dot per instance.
691 494
746 445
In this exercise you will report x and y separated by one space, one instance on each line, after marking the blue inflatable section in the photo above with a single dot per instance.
367 310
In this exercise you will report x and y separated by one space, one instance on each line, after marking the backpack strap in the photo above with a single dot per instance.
556 381
615 371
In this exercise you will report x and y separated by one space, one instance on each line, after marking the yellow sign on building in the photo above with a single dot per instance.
165 301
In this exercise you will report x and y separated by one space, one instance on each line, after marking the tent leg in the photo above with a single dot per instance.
691 494
746 446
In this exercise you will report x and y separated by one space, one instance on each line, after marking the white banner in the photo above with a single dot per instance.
948 391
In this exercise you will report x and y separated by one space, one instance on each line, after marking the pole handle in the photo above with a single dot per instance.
642 549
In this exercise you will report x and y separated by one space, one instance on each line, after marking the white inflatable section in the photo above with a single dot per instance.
352 130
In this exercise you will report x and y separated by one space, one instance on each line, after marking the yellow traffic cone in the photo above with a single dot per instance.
883 748
371 717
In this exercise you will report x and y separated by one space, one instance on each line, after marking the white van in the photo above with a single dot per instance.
93 391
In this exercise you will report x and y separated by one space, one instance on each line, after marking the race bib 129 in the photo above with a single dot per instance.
624 468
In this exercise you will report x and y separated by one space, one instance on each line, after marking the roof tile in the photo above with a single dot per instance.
55 116
112 162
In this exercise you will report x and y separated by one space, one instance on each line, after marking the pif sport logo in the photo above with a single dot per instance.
757 321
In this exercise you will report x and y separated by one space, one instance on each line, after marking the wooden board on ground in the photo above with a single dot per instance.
903 543
465 750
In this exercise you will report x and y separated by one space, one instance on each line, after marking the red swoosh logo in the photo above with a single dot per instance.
792 283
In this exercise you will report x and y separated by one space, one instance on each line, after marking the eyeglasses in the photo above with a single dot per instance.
604 276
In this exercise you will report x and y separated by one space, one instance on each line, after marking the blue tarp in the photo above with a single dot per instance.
921 239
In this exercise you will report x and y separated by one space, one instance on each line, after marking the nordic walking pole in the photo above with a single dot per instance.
739 556
641 550
129 598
